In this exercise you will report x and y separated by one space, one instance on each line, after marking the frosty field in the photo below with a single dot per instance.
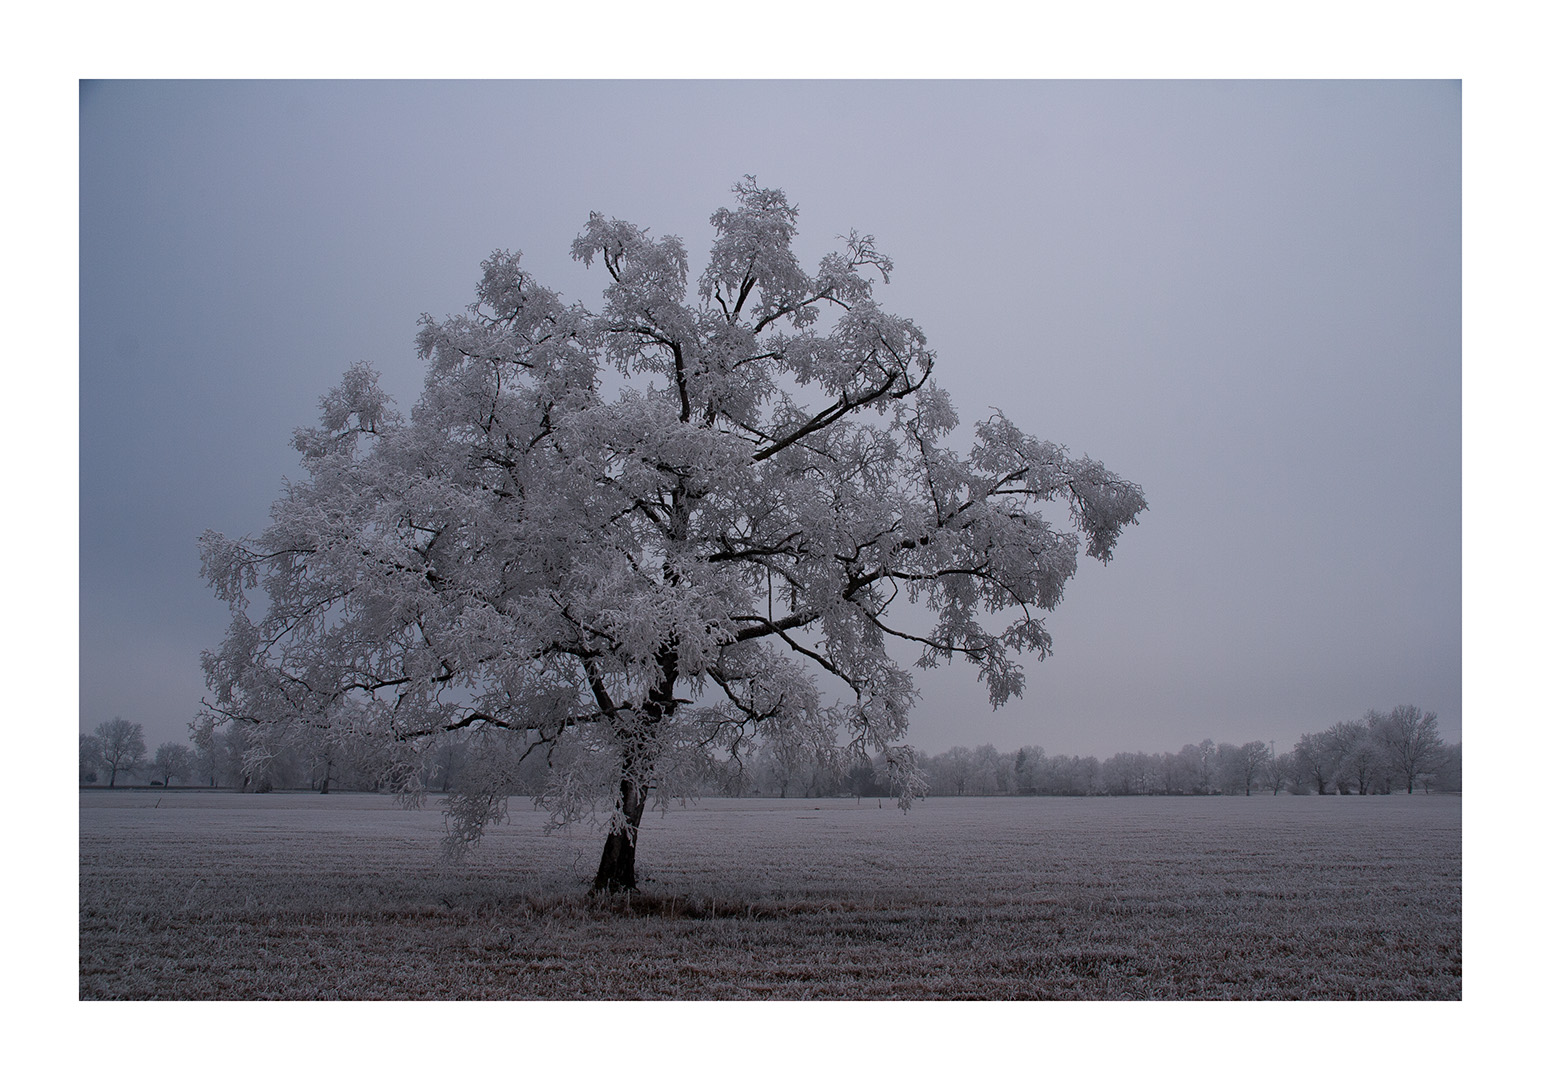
193 894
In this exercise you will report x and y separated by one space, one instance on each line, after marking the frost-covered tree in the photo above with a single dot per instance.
446 763
1199 765
1316 760
173 759
1242 766
122 747
952 772
1027 769
236 754
218 761
1279 770
90 757
1207 758
648 531
1355 752
775 769
1446 774
1125 774
1409 740
1172 774
992 770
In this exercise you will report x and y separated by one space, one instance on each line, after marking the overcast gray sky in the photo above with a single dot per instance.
1244 296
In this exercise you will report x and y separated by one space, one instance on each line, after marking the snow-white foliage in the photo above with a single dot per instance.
635 535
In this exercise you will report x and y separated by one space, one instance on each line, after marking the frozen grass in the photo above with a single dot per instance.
186 894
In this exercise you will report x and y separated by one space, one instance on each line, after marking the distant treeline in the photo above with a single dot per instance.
245 756
1373 755
1400 750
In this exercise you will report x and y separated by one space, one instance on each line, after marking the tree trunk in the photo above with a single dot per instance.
618 863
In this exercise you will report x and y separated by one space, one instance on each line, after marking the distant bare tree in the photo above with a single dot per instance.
1410 740
1124 774
223 754
1199 765
863 778
779 766
1227 776
174 759
1241 766
1057 776
444 766
993 774
90 757
1176 773
1356 752
214 764
1317 760
123 746
205 767
1447 773
1279 770
326 772
1150 772
953 770
1088 774
1066 775
1028 769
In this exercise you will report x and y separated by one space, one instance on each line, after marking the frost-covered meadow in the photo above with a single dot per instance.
193 894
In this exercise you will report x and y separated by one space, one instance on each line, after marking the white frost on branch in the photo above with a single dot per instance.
637 537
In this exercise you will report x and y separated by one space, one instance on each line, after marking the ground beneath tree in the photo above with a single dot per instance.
218 895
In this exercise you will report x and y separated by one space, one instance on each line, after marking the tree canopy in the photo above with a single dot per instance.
121 747
643 535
